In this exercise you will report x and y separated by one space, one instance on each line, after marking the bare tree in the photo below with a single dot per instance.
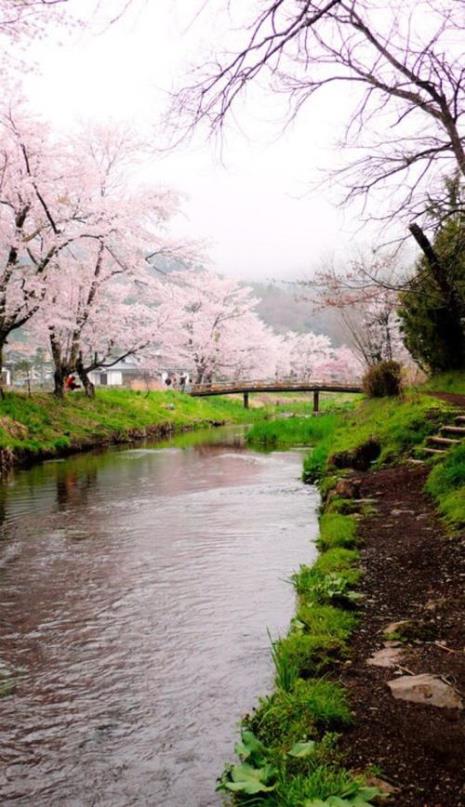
403 62
364 294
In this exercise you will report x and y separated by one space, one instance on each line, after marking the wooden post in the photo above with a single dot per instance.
246 400
316 401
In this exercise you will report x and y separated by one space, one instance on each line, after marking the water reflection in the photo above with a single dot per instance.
135 592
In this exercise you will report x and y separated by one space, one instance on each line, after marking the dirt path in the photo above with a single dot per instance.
453 398
412 571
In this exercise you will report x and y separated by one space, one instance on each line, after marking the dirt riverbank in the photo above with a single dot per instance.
414 571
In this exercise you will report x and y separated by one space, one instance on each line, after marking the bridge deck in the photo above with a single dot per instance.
203 390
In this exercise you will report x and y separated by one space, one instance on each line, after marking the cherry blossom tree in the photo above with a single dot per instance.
94 323
215 314
23 20
41 214
309 356
101 303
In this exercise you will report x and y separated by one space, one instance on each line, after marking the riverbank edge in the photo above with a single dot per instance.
346 519
291 739
38 428
24 458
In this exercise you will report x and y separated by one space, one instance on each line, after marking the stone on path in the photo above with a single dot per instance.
387 790
386 657
425 689
394 627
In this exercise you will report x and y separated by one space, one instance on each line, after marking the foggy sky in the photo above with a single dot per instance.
252 196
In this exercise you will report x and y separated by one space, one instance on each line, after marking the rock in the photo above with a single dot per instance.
386 788
396 512
386 657
395 627
347 488
426 689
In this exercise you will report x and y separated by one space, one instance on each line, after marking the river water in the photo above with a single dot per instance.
136 589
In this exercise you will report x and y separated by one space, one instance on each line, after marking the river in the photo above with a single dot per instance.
136 588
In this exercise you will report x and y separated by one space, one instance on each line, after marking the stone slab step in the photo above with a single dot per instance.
458 431
446 442
434 451
460 420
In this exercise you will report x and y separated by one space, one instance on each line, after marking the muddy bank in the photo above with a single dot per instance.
413 571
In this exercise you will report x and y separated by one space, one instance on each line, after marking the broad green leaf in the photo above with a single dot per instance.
315 803
302 749
249 745
249 780
369 793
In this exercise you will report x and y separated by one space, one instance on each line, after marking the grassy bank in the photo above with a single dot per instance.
377 431
289 754
293 431
446 483
41 425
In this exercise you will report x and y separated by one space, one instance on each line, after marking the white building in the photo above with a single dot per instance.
119 374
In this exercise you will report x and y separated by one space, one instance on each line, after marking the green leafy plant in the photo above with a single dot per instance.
334 588
248 780
302 750
356 795
255 774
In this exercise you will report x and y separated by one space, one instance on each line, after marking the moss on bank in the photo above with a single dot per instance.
41 425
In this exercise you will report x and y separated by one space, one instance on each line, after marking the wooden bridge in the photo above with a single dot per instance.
247 387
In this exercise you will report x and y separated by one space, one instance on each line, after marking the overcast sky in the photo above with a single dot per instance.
252 202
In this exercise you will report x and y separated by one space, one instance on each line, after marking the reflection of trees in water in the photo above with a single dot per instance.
75 488
3 503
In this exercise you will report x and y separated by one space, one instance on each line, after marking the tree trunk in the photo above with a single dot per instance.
2 389
89 387
59 376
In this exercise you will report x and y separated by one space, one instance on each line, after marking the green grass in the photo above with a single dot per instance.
326 620
446 483
302 655
447 382
337 531
41 423
282 433
285 718
397 425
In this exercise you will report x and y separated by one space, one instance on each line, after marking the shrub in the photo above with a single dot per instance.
383 380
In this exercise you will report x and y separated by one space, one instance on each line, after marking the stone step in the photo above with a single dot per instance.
460 420
433 451
442 442
459 431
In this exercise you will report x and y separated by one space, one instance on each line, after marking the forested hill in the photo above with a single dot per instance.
284 308
282 305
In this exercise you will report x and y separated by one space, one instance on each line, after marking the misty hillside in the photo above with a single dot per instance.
285 309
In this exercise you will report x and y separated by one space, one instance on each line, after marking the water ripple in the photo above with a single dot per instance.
136 588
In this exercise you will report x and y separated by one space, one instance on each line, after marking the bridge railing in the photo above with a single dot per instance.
282 384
